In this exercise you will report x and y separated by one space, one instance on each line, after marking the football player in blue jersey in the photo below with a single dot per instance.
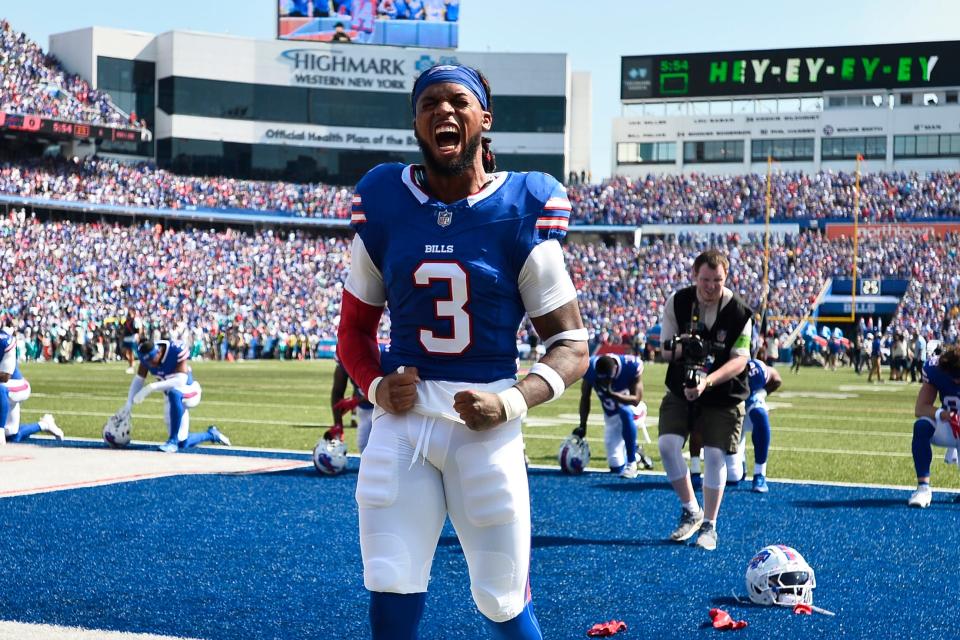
763 380
168 360
15 389
618 382
458 253
935 425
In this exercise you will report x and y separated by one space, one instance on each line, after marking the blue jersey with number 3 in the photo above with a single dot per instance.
450 271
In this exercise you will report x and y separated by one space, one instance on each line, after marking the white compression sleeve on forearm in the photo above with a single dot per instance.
135 385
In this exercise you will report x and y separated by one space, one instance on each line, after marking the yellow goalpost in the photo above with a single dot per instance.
852 318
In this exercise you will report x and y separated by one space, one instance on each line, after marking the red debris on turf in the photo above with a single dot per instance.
805 609
722 620
604 629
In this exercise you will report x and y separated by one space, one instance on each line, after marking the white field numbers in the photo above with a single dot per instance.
452 308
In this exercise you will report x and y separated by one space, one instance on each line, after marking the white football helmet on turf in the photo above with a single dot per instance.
779 575
117 430
330 456
574 455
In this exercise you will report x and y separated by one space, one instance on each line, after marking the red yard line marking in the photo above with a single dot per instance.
145 476
15 458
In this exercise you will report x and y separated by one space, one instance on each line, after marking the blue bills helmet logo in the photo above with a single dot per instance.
444 217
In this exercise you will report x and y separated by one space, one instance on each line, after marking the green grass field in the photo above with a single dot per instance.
826 425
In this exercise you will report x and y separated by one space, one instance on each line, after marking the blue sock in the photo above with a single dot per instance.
761 434
923 430
194 439
523 627
27 430
628 429
395 616
175 407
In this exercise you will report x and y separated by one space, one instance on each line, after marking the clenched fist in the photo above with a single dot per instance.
397 392
479 409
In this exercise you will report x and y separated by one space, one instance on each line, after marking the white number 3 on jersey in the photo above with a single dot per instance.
453 307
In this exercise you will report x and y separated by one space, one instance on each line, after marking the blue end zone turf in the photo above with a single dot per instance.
276 556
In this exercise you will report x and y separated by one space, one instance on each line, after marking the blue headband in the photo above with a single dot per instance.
147 357
458 74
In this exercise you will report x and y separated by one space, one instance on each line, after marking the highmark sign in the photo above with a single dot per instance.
330 68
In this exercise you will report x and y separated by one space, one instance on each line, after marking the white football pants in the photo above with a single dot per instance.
414 472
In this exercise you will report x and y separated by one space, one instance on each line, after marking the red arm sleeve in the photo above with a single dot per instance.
357 340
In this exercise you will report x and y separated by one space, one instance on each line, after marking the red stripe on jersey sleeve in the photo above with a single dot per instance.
357 346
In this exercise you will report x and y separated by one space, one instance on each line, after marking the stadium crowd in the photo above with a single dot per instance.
69 285
235 295
105 181
690 199
35 83
696 199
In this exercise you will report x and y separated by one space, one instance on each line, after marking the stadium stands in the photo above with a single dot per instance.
693 199
71 282
270 294
34 83
696 199
105 181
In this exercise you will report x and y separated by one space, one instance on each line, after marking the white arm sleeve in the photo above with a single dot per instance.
544 282
135 385
364 280
8 360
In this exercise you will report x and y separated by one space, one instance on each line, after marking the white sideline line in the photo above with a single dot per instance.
202 418
26 631
553 467
119 399
819 483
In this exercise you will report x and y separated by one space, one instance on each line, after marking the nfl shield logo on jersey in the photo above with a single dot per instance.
444 217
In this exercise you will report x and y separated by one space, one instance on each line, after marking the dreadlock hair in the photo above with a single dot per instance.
486 154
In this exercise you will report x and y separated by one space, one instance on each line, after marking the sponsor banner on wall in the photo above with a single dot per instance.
341 137
63 129
901 229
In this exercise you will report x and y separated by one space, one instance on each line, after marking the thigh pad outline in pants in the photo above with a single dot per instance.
17 390
943 435
401 509
613 439
191 394
489 504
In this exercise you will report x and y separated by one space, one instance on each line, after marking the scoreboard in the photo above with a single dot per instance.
788 71
65 129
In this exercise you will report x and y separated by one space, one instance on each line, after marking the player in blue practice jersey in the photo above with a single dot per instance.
939 426
763 380
458 253
15 389
618 382
168 361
